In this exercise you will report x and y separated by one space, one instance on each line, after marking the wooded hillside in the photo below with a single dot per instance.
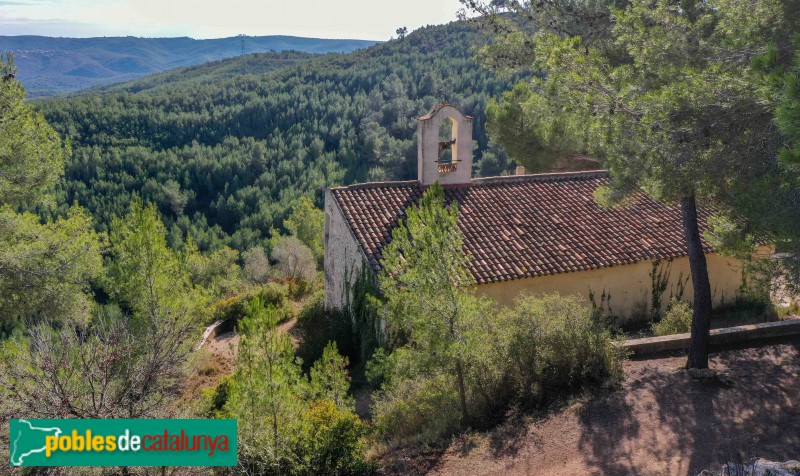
224 154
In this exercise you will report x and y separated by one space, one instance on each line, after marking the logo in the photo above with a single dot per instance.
122 443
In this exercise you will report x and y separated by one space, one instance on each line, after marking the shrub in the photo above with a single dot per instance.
677 320
555 345
215 398
300 288
233 309
330 441
274 294
256 265
417 410
294 259
542 349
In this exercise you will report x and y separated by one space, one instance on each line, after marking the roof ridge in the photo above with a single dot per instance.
367 185
485 180
543 177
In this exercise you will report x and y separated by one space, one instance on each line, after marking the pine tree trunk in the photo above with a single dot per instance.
701 312
462 394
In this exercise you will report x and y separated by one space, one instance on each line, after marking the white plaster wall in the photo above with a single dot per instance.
428 148
343 258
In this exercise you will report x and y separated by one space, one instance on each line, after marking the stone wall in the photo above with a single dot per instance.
343 257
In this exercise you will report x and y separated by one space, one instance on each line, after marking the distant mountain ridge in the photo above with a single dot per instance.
49 66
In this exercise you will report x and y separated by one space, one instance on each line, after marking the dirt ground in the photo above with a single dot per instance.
660 422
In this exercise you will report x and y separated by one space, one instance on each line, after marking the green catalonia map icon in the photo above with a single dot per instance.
27 439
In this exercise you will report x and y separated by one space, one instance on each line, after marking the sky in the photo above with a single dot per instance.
355 19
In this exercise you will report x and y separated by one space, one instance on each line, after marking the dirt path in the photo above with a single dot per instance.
225 346
661 422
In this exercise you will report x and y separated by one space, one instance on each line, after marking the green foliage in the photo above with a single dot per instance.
289 423
677 320
329 378
218 271
215 398
745 308
235 308
331 441
46 269
263 396
532 132
145 274
319 327
451 366
363 303
543 349
237 151
425 281
677 98
307 224
659 280
421 409
294 260
554 345
31 152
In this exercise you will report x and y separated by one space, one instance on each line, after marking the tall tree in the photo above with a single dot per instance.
31 152
264 396
45 268
673 94
426 282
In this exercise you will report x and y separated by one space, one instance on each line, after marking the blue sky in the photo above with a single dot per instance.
363 19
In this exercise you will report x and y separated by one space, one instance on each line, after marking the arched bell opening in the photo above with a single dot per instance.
448 134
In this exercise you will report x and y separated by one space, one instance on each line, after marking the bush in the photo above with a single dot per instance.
330 441
233 309
256 265
555 345
294 259
677 320
417 410
215 398
543 349
300 288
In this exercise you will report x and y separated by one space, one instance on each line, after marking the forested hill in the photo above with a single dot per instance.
49 66
225 158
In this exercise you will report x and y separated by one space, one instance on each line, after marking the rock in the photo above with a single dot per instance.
792 465
702 374
762 467
709 375
725 378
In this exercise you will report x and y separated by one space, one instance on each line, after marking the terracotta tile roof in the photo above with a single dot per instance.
524 226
